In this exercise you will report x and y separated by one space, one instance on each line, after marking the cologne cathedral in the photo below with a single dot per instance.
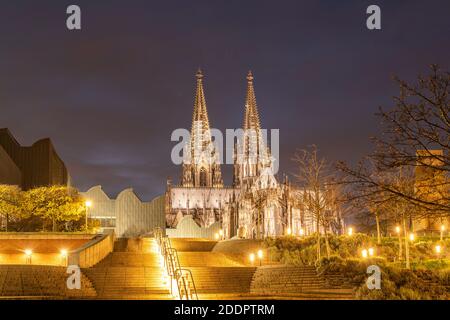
256 205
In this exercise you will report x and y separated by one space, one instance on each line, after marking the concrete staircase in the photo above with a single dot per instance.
216 276
40 282
132 271
296 282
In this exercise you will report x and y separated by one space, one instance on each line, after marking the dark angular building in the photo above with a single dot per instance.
39 164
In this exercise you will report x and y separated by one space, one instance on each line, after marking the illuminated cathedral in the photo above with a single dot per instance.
256 205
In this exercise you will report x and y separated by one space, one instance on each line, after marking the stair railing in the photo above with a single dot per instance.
181 276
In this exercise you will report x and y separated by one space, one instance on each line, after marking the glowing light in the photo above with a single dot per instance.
63 253
371 251
438 249
288 231
364 253
252 257
350 231
442 228
216 236
28 252
411 237
301 232
397 229
88 203
221 232
260 254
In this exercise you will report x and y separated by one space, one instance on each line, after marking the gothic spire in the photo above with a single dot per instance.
200 115
251 119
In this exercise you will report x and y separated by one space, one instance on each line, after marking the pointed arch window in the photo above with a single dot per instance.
203 177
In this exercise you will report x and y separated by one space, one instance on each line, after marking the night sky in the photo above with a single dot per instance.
110 95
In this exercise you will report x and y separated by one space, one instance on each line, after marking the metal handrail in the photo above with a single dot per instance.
192 279
172 265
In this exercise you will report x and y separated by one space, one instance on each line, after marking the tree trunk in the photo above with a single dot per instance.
7 218
405 233
377 219
327 244
318 241
54 225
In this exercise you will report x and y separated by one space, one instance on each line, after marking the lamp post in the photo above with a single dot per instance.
28 254
442 231
260 256
88 204
397 230
350 231
252 258
64 257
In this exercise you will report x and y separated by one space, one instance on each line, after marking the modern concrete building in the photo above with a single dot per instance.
9 172
39 164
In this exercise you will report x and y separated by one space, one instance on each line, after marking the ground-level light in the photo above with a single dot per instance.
350 231
301 232
371 251
216 236
288 231
364 253
252 257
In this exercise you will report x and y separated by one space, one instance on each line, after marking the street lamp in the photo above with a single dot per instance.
221 234
252 258
411 237
28 254
88 204
442 231
216 236
438 249
301 232
260 256
288 231
397 229
350 231
63 253
371 251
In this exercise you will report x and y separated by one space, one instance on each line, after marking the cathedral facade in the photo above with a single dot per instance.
256 205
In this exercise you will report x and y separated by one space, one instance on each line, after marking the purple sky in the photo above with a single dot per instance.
110 95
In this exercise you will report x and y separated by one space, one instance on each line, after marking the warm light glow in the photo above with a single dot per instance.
364 253
442 227
28 252
412 236
221 232
88 204
216 236
397 229
437 249
371 251
302 232
350 231
63 253
289 231
252 257
260 254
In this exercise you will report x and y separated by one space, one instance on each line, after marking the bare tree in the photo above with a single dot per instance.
415 139
313 176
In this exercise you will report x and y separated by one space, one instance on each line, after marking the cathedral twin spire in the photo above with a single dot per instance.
201 167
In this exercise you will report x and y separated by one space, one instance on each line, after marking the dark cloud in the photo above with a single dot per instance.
110 95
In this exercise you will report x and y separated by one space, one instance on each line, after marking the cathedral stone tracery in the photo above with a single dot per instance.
256 205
